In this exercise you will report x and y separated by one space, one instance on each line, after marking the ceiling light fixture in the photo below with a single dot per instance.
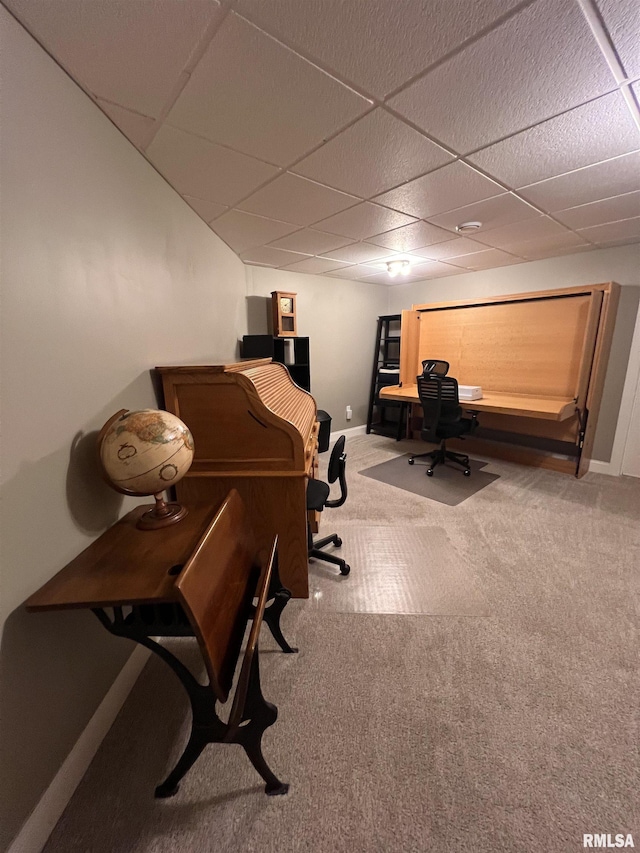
466 227
395 268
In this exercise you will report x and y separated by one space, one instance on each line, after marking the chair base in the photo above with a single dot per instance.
439 457
315 550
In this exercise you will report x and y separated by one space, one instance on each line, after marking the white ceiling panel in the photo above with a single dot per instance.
199 168
248 87
242 231
628 230
492 212
294 199
622 19
602 180
311 241
379 44
409 237
357 253
601 212
129 53
363 220
270 257
563 143
451 249
449 187
540 62
207 210
485 260
315 265
322 136
376 153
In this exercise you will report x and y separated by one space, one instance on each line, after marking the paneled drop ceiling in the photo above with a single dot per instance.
331 136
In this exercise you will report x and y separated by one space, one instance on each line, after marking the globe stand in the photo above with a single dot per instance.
161 515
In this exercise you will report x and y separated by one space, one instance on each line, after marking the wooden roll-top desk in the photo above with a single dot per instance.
255 431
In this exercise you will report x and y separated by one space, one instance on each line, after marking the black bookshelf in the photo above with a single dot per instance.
292 352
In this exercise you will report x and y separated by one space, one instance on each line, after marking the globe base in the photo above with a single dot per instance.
161 515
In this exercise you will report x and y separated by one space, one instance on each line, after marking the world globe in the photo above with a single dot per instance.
144 453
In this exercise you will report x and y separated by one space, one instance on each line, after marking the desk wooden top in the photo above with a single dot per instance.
126 565
547 408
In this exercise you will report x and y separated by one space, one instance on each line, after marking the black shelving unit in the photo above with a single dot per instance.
386 417
292 352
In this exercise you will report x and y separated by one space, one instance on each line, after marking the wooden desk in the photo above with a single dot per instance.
194 578
540 358
521 405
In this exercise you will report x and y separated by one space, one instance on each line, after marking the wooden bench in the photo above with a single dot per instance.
200 577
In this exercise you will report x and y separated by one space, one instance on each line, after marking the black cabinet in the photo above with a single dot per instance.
292 352
386 417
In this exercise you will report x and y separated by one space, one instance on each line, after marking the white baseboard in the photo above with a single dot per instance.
356 430
598 467
40 823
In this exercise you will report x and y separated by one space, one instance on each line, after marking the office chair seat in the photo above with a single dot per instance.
442 419
318 498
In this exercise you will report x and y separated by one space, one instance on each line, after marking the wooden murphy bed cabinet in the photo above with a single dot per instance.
255 431
540 358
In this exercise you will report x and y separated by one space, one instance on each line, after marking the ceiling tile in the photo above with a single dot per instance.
563 143
357 253
315 265
485 260
435 270
409 237
131 54
445 189
357 272
451 249
494 87
255 95
518 232
492 212
627 230
601 212
208 210
377 49
136 128
269 257
199 168
243 231
376 153
310 241
294 199
363 220
547 246
602 180
622 20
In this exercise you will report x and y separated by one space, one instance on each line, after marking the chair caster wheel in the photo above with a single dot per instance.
429 472
410 461
467 472
337 541
344 570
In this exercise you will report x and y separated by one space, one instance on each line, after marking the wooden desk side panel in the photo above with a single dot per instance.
532 347
274 505
409 345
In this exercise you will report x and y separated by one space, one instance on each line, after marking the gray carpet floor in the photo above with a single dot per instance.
514 730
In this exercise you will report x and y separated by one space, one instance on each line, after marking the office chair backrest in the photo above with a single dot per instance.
439 399
434 367
337 470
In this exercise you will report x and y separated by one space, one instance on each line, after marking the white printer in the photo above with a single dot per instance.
469 392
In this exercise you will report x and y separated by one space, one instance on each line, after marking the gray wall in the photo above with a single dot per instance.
620 264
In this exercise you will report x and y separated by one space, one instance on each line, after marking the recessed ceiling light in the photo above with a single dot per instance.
398 267
465 227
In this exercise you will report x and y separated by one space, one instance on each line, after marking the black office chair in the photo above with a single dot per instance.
317 499
435 367
442 419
